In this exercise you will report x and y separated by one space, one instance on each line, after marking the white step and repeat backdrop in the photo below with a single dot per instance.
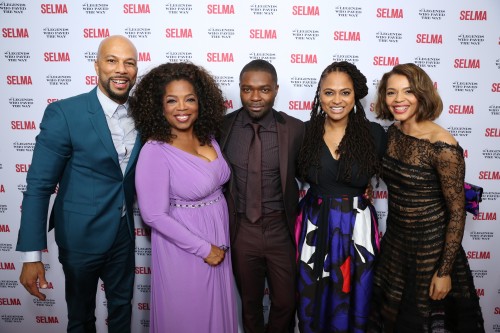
47 49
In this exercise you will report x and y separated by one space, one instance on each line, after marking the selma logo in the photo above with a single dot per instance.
95 32
143 306
492 132
178 33
305 10
473 15
467 63
7 266
4 227
380 194
263 34
144 56
23 125
10 301
461 109
91 80
480 292
429 39
53 8
486 216
142 232
478 255
136 8
390 13
228 104
300 105
47 320
297 58
220 57
19 80
489 175
385 61
142 270
495 87
56 57
220 9
15 33
350 36
22 167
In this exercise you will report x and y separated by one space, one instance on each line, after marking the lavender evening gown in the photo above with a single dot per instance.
180 198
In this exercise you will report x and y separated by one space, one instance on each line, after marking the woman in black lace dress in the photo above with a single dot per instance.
422 278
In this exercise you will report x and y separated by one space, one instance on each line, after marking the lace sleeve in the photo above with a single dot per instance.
450 166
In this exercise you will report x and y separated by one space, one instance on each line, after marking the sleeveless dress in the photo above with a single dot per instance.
337 241
180 198
425 225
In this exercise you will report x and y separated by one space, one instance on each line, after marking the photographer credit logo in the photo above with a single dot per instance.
263 9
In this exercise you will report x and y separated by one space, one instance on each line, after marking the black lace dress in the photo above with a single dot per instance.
425 225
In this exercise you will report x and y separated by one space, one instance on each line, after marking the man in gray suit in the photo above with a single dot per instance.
88 145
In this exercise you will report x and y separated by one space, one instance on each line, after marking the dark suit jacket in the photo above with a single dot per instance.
74 149
290 137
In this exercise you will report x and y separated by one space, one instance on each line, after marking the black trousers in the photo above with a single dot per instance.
265 249
116 268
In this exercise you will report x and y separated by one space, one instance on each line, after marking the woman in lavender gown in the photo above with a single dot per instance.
178 108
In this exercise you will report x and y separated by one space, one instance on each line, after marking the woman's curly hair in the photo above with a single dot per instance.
146 102
357 145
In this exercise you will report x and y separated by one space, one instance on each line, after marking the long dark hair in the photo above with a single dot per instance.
146 102
357 145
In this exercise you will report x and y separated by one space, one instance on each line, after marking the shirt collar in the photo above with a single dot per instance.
108 105
265 121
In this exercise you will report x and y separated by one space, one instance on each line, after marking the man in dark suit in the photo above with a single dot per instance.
262 233
88 145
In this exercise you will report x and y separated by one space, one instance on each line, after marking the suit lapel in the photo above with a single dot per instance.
282 130
134 153
227 125
98 120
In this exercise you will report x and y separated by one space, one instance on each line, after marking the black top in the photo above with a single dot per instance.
328 180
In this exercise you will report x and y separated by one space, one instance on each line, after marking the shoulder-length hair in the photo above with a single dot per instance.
430 104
